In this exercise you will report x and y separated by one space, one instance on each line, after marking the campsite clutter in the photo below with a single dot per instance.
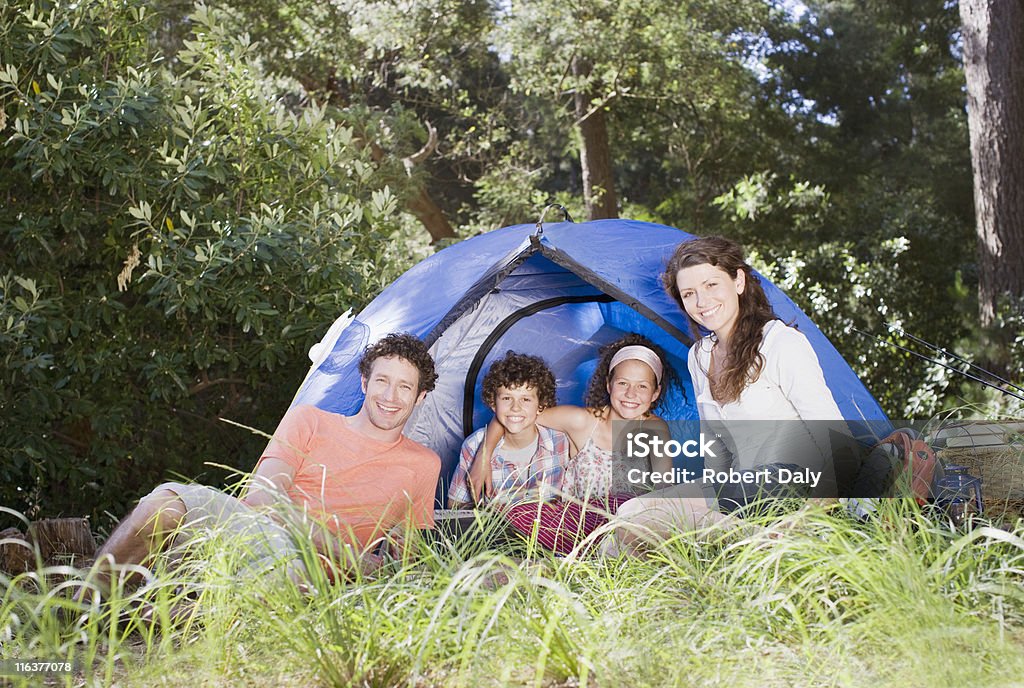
50 541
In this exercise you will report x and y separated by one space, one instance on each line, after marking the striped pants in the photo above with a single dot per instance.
562 526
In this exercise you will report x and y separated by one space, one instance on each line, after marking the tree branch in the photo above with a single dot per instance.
206 384
423 153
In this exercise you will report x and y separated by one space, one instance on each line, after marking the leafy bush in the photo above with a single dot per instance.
178 230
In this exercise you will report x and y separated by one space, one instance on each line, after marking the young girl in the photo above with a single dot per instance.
623 390
747 366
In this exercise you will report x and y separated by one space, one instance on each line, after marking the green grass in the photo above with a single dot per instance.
901 601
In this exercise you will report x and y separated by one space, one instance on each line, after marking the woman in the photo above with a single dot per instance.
747 367
624 389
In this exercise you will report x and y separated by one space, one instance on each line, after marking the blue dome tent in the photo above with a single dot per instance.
560 292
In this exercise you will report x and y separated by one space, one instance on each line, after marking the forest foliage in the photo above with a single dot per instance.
192 193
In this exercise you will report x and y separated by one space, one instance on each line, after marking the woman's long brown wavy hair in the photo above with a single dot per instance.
754 310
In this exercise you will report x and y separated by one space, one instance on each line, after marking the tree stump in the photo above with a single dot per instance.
62 538
58 541
15 552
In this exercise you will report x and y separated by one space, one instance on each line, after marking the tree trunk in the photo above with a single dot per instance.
595 153
430 216
421 205
993 36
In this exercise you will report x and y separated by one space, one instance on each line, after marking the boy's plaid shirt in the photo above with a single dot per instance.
538 480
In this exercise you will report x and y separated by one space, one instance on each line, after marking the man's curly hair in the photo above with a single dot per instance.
403 345
597 392
520 370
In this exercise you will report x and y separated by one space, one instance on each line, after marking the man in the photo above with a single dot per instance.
346 480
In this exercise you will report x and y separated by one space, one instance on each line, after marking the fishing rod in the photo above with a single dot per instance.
940 363
946 352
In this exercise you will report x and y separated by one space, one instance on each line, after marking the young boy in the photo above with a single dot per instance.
527 465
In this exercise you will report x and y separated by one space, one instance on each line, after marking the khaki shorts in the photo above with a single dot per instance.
261 542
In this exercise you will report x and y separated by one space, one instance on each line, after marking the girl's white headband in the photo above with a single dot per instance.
638 353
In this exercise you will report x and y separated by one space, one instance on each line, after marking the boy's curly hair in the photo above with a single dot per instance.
597 391
520 370
403 345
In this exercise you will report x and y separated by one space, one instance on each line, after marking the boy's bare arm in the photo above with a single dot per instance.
481 482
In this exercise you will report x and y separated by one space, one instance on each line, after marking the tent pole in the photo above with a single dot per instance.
565 215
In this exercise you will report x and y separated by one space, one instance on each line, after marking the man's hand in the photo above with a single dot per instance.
481 482
344 563
369 563
395 543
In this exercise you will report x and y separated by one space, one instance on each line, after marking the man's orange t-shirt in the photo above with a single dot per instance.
358 486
